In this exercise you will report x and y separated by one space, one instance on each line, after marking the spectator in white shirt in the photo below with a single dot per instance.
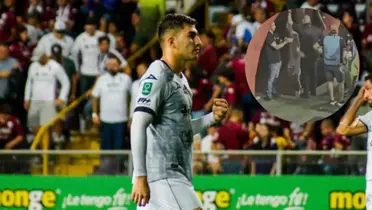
41 87
56 37
111 97
85 55
66 13
105 51
141 69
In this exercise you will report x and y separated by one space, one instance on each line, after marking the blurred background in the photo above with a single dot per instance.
251 141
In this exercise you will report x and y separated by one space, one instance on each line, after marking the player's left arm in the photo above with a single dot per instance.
220 108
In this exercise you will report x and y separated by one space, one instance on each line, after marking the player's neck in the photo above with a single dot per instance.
176 65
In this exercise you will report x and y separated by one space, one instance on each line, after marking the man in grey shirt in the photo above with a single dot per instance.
162 129
7 64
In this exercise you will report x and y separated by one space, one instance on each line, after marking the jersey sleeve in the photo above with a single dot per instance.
150 94
366 120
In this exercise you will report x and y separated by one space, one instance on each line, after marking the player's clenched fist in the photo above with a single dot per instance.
220 107
141 191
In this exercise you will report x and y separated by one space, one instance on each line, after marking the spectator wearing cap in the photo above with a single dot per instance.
85 54
69 67
8 22
7 66
20 49
104 43
58 36
40 93
111 94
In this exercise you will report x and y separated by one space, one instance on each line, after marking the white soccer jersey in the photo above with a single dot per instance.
114 93
47 41
42 81
168 97
102 59
86 46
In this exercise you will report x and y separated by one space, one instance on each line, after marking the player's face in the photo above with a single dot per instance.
188 43
368 91
104 46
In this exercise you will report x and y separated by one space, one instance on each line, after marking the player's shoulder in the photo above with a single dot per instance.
125 77
158 71
54 63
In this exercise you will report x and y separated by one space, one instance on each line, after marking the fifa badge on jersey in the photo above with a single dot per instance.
147 86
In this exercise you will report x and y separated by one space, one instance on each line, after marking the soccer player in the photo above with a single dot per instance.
162 129
351 126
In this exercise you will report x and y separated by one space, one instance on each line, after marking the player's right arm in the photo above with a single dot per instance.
349 125
150 96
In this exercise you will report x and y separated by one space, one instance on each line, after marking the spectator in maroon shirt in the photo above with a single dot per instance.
232 135
19 48
226 78
8 22
208 58
332 141
202 90
11 133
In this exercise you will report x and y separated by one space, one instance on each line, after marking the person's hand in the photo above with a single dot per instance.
220 107
289 40
141 191
96 119
59 102
26 105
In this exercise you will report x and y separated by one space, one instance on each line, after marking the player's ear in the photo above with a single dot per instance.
171 41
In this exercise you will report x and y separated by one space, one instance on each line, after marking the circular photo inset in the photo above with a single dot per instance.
302 65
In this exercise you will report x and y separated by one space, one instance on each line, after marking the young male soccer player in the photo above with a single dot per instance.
350 126
162 129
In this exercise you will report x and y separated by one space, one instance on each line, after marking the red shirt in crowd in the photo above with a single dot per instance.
201 94
239 66
329 142
208 59
7 23
231 94
9 130
367 35
232 136
21 52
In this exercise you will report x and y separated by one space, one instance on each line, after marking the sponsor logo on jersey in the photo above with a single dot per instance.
145 101
151 77
347 200
147 87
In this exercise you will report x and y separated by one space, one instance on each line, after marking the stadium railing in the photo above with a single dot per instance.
43 136
87 157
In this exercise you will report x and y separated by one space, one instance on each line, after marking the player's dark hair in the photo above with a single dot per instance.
173 22
112 56
5 109
368 77
103 38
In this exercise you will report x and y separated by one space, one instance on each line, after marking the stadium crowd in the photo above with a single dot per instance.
72 41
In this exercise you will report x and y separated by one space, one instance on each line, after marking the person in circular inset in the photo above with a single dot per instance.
307 65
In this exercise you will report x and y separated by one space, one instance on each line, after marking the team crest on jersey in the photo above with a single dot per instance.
151 77
147 87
